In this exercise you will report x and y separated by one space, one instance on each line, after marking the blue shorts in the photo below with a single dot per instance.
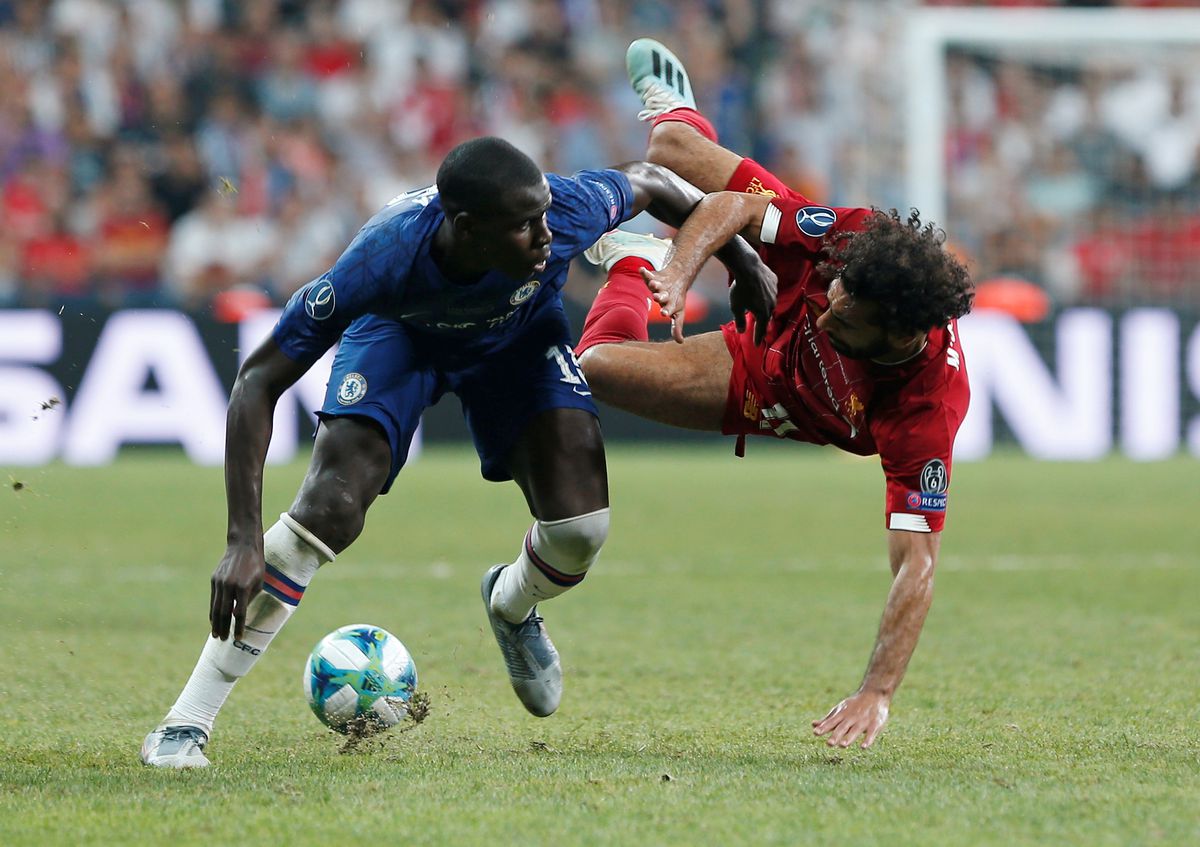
384 372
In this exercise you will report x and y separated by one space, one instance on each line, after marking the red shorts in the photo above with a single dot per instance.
746 397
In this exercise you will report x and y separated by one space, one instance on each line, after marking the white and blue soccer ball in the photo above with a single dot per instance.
359 677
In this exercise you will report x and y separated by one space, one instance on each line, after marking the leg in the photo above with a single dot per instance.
350 463
360 447
558 462
684 385
682 139
534 421
680 146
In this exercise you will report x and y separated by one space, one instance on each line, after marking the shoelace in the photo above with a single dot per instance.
514 660
185 733
658 99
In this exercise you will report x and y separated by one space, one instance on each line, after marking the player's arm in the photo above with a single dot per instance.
266 374
716 219
672 199
913 558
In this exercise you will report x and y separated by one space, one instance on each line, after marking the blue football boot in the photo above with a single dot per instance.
529 655
175 747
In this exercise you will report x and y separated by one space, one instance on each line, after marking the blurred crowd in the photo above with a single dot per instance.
158 152
1083 177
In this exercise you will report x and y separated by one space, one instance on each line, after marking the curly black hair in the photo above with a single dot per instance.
904 267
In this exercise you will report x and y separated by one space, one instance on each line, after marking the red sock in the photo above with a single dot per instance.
620 312
690 117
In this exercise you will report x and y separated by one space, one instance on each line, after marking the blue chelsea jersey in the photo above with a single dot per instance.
388 271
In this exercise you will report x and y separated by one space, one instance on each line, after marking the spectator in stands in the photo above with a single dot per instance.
130 236
55 265
213 248
181 180
362 97
311 237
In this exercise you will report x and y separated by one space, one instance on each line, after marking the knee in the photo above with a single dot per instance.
331 512
669 143
573 544
596 363
589 359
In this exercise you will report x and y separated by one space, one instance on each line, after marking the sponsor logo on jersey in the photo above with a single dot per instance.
352 389
320 301
612 201
934 477
854 412
525 292
750 406
815 221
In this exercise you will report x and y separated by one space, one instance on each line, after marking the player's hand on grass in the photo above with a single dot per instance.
863 713
754 294
236 580
669 292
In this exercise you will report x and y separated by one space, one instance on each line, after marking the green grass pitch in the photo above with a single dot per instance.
1053 698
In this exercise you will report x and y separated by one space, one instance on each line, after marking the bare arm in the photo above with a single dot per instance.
238 577
671 199
913 558
717 219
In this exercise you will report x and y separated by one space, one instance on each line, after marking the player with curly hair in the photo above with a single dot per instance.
855 344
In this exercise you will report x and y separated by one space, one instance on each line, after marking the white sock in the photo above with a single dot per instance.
555 557
293 555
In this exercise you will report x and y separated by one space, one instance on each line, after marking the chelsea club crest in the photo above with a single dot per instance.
352 389
525 292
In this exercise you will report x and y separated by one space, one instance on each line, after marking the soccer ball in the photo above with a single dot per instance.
359 678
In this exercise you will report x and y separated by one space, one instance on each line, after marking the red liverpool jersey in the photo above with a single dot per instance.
797 386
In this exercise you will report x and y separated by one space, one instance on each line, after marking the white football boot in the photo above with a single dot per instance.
658 77
532 662
617 244
175 747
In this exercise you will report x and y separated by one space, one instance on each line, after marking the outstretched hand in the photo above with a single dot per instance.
669 292
754 293
861 713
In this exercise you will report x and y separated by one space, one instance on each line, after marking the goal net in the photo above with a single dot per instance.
1063 146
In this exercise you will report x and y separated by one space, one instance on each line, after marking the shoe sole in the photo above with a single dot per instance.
177 763
665 68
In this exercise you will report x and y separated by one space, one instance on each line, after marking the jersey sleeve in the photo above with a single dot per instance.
316 316
915 453
587 205
797 222
914 433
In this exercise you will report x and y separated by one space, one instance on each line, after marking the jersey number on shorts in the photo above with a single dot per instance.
564 356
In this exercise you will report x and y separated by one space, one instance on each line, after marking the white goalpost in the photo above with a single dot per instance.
931 31
1122 372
